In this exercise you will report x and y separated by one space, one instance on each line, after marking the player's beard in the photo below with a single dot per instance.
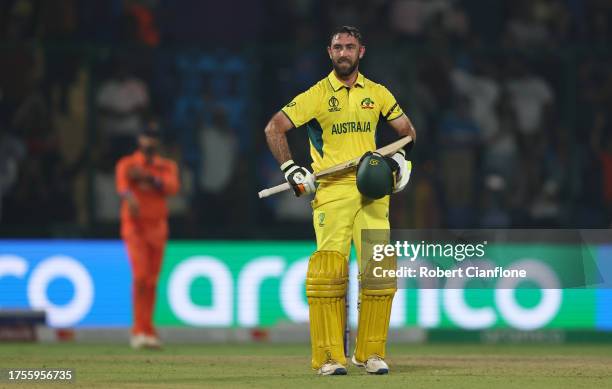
345 71
149 150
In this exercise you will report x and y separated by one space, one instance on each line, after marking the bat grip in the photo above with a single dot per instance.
274 190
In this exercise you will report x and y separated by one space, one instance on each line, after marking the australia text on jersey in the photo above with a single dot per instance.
343 128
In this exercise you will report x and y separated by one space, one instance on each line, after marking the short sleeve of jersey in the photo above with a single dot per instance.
390 109
303 107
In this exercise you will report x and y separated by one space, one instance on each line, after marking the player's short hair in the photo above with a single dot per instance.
350 30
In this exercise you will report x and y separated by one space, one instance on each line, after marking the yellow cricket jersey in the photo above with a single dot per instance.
341 121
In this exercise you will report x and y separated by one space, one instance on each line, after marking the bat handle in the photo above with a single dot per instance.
274 190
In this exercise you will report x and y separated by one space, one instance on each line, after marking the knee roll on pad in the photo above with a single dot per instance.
385 283
327 274
326 284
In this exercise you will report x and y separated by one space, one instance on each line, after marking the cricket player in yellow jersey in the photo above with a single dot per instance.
341 113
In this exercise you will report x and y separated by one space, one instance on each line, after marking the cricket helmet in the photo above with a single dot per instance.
375 175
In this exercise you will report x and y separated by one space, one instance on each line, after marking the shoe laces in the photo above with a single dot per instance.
374 358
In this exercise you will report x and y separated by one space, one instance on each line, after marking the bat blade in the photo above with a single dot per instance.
386 151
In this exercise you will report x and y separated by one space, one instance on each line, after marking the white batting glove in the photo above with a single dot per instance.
300 179
402 176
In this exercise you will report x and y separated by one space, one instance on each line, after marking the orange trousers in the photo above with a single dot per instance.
146 258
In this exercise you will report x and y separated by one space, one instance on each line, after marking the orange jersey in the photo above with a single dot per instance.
151 196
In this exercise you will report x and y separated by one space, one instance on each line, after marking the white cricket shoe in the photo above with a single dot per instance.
332 368
374 365
138 341
152 341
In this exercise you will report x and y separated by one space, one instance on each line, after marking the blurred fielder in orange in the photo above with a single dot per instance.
144 181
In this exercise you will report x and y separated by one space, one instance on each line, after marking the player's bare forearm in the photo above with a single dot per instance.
277 138
403 126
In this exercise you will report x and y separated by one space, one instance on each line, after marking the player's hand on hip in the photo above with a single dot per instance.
402 174
301 180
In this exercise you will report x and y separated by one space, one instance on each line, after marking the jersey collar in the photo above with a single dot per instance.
337 84
140 157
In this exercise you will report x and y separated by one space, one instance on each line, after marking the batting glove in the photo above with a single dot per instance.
402 175
300 179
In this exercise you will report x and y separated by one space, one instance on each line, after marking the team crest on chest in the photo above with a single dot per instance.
367 103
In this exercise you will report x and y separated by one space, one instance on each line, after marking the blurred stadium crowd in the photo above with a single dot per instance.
511 101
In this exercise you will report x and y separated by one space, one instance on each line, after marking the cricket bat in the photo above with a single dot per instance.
387 150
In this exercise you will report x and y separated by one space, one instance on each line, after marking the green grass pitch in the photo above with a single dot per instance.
287 366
